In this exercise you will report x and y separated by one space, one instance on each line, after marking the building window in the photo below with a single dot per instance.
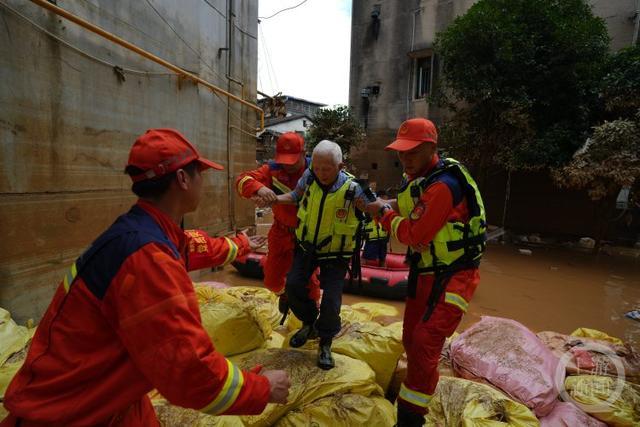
423 77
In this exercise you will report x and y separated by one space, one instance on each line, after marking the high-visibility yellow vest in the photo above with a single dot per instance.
375 231
327 221
456 242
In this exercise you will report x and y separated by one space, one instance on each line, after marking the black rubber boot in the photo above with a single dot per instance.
325 359
408 418
307 332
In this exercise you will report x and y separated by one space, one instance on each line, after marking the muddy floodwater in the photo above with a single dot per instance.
550 289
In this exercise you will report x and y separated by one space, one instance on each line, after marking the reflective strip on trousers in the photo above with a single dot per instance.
456 300
414 397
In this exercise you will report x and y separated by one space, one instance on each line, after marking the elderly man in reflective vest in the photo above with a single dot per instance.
440 216
263 185
329 202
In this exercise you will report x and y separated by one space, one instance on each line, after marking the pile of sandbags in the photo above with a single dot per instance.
362 338
342 410
611 400
510 357
567 414
459 402
594 351
314 393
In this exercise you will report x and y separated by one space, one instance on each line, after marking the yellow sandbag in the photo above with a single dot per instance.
276 340
595 391
13 338
376 309
460 402
346 410
175 416
379 346
308 383
234 326
595 334
263 300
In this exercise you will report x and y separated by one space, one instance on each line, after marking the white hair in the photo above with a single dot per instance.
329 149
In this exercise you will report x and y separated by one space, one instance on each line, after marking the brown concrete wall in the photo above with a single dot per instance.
67 122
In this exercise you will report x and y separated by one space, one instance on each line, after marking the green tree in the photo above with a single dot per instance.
610 159
521 77
336 124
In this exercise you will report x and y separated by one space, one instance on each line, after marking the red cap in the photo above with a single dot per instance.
161 151
412 133
288 148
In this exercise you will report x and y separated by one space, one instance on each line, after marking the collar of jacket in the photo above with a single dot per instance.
170 228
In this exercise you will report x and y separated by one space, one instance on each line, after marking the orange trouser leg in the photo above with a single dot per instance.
423 341
279 260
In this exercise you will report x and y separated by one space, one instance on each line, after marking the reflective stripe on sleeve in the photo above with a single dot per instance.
233 251
229 392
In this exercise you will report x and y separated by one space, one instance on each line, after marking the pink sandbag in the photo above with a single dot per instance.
215 285
510 357
567 414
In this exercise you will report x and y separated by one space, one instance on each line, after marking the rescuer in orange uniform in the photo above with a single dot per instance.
125 319
262 185
440 216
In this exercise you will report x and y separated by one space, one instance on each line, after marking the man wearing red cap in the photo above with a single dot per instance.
263 186
125 319
440 216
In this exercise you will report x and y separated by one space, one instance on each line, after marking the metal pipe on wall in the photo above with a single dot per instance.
130 46
637 28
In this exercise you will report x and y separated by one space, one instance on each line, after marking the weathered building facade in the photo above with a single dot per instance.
72 103
393 70
393 67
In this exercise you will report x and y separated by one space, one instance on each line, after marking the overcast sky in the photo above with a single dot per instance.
304 52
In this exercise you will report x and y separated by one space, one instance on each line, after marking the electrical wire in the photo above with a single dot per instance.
202 61
283 10
107 63
80 51
216 9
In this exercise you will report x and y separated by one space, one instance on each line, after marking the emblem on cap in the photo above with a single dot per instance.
403 129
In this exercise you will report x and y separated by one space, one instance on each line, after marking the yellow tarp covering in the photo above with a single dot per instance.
347 410
14 342
263 300
308 384
379 346
459 402
13 338
236 319
596 391
595 334
360 312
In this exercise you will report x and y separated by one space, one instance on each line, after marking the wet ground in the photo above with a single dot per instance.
551 289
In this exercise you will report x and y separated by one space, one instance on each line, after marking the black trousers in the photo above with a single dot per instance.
332 273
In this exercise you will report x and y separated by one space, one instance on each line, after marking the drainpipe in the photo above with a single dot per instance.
410 79
637 29
230 187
